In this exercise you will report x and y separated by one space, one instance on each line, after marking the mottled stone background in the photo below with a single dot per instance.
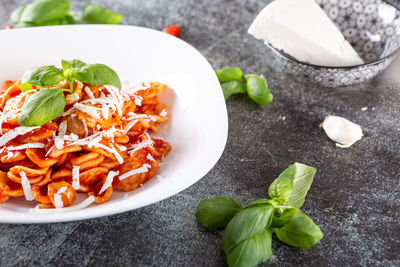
354 197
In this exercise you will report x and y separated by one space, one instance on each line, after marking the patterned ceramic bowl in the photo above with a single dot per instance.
373 29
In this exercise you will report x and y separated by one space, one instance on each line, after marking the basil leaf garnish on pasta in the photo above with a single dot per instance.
97 74
42 107
95 14
41 76
70 64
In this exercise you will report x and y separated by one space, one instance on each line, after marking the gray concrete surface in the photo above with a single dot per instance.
354 198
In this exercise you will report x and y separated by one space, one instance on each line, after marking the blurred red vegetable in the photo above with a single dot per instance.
8 27
173 30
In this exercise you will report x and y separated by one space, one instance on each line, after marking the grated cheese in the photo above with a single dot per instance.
75 177
146 143
150 157
5 138
58 203
163 113
72 97
109 180
92 111
130 125
143 169
89 92
26 186
25 146
79 206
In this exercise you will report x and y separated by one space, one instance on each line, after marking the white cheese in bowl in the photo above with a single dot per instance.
302 29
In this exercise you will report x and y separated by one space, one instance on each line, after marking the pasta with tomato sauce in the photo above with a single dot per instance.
100 143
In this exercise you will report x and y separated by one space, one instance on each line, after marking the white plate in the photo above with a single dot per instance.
197 130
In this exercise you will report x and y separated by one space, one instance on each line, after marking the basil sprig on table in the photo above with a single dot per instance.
48 103
248 234
55 12
234 82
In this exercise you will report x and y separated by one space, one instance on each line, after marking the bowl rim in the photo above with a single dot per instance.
290 58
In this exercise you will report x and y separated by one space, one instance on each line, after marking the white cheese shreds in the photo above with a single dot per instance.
92 111
26 186
75 177
72 97
150 157
138 100
144 168
85 127
146 143
58 203
14 133
89 92
122 148
79 206
163 113
25 146
145 117
130 125
344 132
108 182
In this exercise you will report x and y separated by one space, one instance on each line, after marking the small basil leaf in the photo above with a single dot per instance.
229 74
252 251
285 216
217 211
16 15
95 14
97 74
41 11
42 76
246 224
281 188
233 87
258 202
70 64
300 231
294 192
42 107
257 89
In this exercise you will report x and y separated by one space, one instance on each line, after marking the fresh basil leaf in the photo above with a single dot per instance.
95 14
40 12
300 231
285 216
246 224
259 202
42 107
41 76
252 251
70 64
16 15
294 192
257 89
229 74
233 87
217 211
281 187
97 74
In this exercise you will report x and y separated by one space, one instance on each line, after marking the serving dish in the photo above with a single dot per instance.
373 29
197 134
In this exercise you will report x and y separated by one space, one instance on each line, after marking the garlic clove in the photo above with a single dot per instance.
344 132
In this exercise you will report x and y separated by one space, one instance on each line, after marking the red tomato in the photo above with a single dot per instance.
8 27
173 30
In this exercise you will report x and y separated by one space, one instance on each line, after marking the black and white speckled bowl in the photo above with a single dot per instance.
371 26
